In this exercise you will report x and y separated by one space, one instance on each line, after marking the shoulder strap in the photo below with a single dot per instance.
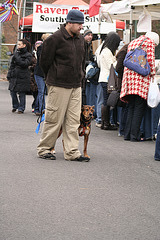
142 42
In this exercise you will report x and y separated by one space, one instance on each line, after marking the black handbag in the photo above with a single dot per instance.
113 98
112 80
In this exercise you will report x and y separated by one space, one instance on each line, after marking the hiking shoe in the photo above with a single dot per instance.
20 112
82 159
110 127
37 113
154 137
48 156
98 125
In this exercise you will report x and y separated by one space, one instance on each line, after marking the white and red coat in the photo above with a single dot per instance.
134 83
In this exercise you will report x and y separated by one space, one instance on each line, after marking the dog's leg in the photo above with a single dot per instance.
60 132
63 145
53 151
86 136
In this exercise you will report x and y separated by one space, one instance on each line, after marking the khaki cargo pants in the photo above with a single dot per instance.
63 108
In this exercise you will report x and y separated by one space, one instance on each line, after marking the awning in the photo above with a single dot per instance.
29 19
120 24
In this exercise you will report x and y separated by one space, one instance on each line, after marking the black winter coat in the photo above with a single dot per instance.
19 74
33 84
38 71
89 54
119 67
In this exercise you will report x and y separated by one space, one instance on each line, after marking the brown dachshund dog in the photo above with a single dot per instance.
85 126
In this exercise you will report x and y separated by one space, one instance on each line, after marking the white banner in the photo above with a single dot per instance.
47 18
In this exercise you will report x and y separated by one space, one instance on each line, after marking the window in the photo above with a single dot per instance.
29 7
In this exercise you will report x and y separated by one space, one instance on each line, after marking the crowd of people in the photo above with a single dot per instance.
125 112
60 61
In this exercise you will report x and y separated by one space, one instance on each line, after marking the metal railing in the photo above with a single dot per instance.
4 64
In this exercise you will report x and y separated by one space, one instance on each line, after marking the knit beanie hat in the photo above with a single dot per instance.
154 36
38 43
86 32
75 16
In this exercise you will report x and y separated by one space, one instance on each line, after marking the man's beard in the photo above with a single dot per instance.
75 34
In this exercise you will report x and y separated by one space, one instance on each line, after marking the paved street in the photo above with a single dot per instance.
116 196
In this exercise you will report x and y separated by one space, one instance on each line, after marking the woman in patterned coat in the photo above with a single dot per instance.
135 86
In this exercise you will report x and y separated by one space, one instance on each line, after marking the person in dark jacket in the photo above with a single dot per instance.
63 63
39 77
33 84
124 106
88 36
157 146
120 67
19 75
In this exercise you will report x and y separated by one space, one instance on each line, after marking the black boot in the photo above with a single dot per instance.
105 114
112 127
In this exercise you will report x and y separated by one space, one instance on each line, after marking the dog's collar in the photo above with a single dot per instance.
84 127
84 120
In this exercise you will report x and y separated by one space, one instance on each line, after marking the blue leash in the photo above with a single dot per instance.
41 118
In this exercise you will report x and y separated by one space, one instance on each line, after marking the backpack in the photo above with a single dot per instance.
92 73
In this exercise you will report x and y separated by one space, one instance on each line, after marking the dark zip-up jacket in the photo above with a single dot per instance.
63 59
119 67
89 53
38 71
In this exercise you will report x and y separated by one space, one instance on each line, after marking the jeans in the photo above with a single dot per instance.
136 109
155 118
40 100
99 102
114 116
122 119
91 97
150 121
34 94
146 124
18 102
105 98
157 148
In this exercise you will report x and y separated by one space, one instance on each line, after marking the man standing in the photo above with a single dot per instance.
63 62
88 36
39 78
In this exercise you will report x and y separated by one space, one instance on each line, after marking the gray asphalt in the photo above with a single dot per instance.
116 196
